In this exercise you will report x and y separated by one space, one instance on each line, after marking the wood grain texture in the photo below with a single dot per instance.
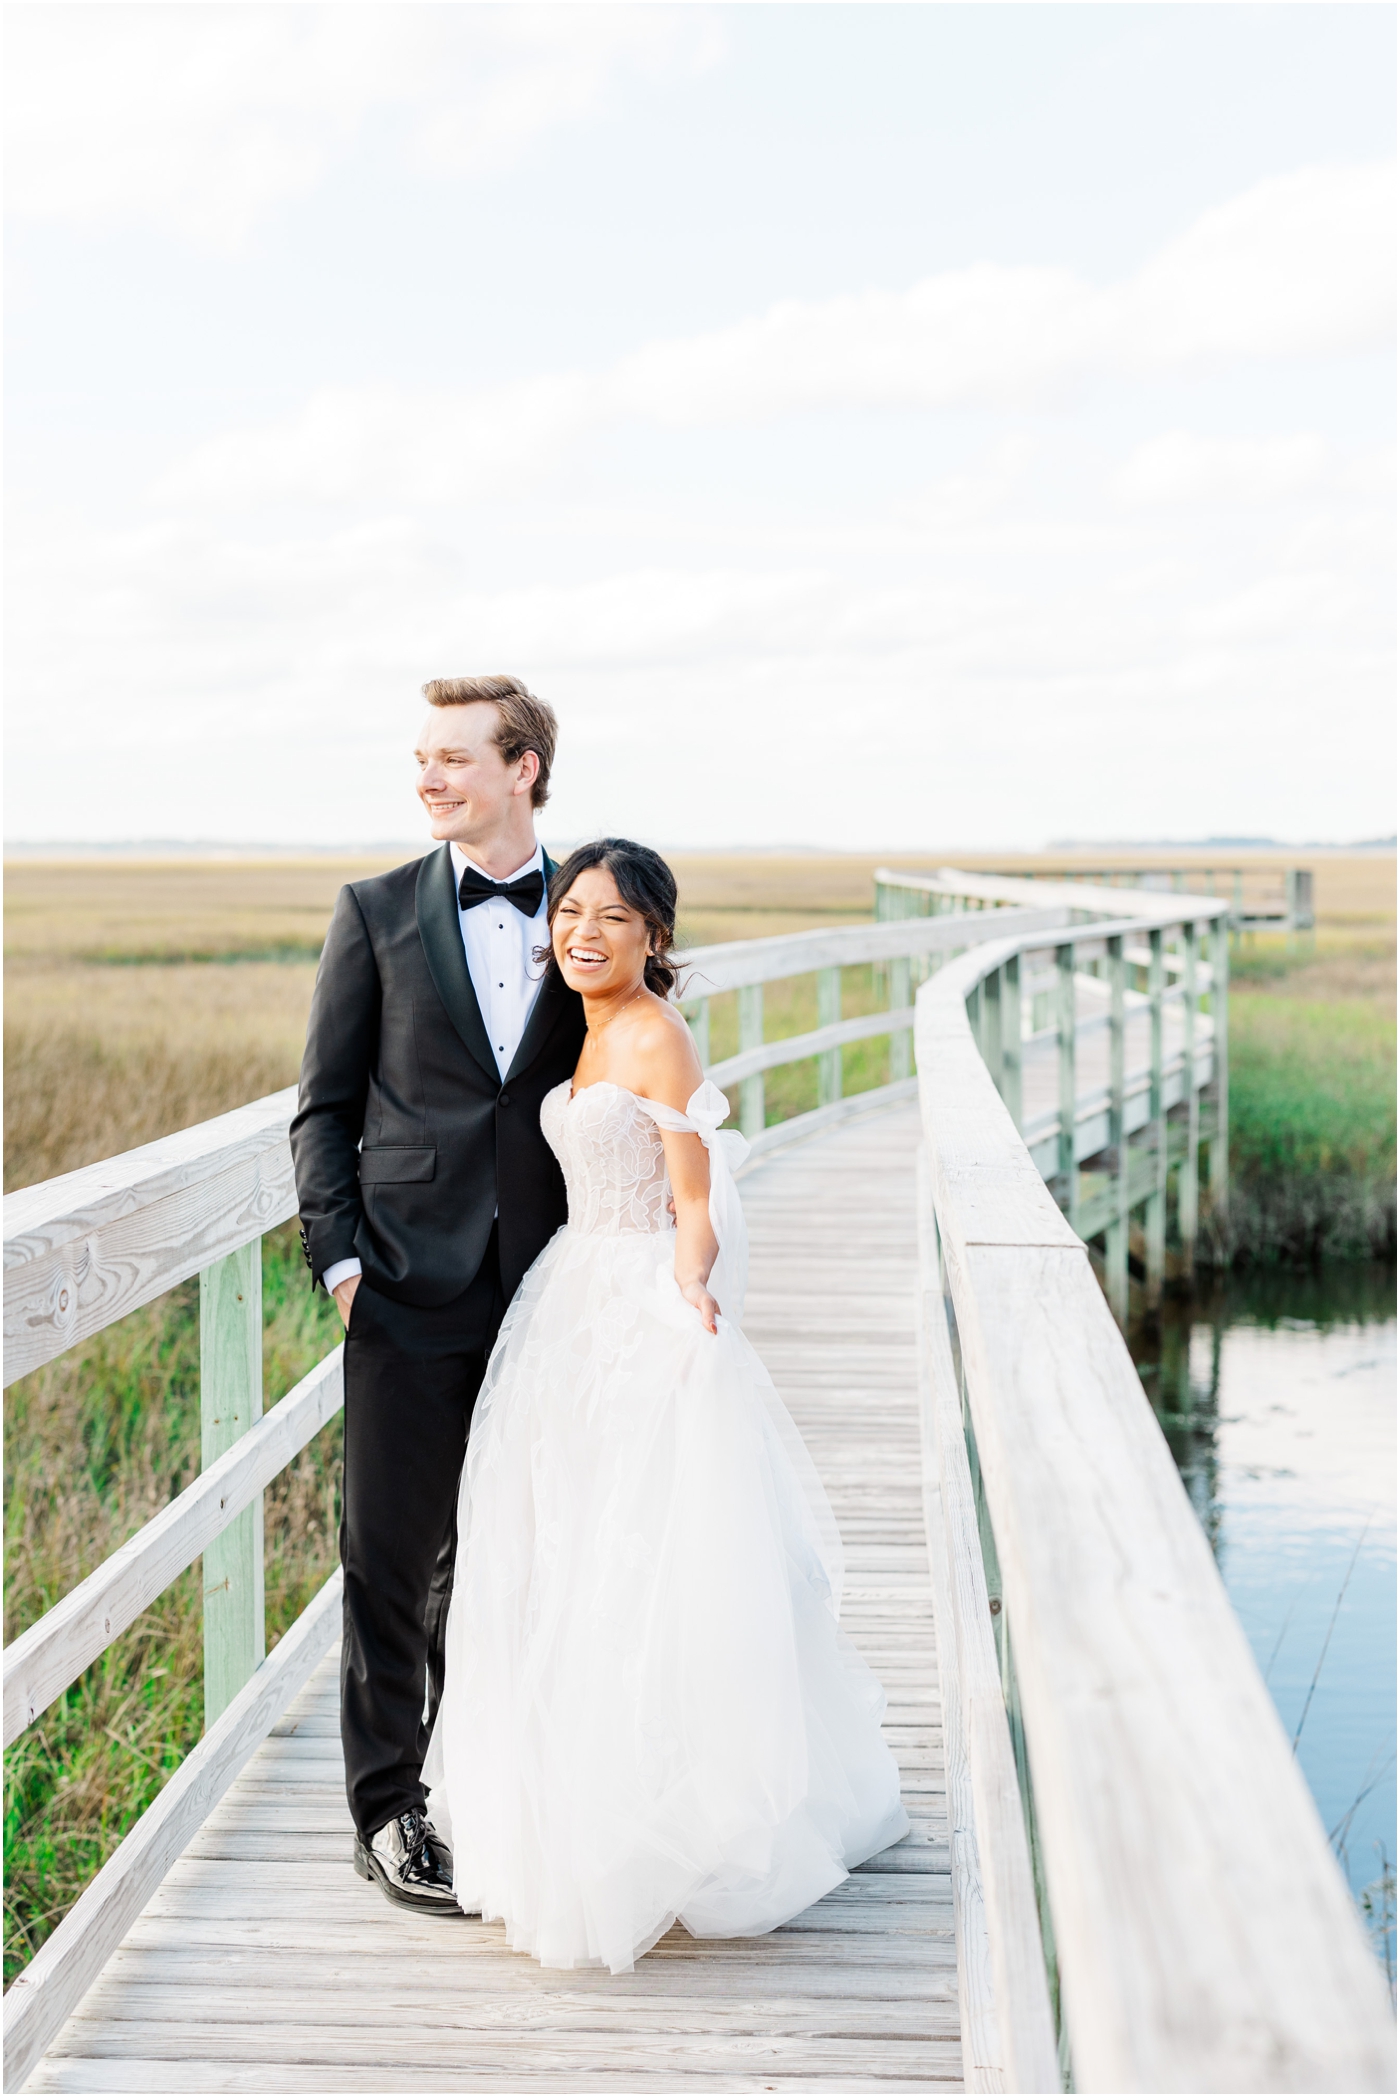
263 1963
1205 1936
84 1249
230 1403
67 1964
41 1663
1008 2029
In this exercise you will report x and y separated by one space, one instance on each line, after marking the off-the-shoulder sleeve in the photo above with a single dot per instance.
706 1108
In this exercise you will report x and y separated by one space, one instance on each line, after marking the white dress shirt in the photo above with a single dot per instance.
499 943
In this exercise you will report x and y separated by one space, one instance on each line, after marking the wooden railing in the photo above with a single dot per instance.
80 1252
1144 1895
1257 899
1137 969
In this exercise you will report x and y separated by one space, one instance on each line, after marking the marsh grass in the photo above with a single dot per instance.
1312 1097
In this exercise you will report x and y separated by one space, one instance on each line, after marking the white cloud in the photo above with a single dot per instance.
198 118
1299 266
725 687
1182 467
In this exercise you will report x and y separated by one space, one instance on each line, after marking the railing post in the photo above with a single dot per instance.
1188 1195
977 1017
1011 1037
698 1019
751 1037
828 1014
230 1402
991 1026
1156 1222
1116 1236
1067 1019
901 1044
1220 1135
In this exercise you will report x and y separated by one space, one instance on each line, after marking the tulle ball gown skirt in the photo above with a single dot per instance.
650 1711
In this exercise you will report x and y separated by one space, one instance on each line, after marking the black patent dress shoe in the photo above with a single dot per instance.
410 1863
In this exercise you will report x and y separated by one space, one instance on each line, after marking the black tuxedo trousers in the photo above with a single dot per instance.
413 1155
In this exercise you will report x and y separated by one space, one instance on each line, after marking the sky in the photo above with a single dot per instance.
870 426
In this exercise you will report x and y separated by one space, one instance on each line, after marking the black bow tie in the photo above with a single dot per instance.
526 891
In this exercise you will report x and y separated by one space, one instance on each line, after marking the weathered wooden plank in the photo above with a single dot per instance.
432 2047
230 1403
339 2000
741 1974
1008 2031
364 1934
66 1965
189 2075
43 1660
86 1248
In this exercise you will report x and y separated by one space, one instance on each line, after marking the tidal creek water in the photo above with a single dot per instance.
1277 1394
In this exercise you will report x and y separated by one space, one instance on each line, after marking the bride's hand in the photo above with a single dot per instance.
696 1294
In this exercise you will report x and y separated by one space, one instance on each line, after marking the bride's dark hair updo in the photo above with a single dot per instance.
645 884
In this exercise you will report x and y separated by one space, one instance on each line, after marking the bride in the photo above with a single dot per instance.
649 1712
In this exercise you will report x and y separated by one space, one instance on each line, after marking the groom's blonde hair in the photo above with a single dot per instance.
526 723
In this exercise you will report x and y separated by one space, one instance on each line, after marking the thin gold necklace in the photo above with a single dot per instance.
619 1012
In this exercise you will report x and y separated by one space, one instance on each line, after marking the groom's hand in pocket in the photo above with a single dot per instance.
345 1296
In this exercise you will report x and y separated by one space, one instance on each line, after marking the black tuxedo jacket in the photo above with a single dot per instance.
406 1141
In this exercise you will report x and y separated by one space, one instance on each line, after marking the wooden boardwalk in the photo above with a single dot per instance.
264 1964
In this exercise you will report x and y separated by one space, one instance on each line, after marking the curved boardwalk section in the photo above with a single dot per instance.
264 1964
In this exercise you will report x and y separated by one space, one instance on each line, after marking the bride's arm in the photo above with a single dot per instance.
671 1072
696 1249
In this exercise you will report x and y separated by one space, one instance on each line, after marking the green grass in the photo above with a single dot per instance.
96 1444
1312 1128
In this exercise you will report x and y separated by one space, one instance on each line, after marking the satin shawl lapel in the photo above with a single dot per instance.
440 929
548 1009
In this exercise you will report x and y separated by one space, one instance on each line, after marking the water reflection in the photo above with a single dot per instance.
1276 1392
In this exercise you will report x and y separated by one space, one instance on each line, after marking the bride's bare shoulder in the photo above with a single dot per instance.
662 1051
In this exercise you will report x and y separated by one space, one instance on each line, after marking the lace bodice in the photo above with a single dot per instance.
610 1150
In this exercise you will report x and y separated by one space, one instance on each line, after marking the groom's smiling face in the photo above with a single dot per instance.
464 783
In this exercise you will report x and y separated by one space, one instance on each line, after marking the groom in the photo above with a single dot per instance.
426 1189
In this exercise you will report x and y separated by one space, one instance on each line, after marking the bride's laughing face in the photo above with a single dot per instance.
600 942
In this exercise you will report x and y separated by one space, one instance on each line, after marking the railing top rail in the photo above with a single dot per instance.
52 1211
84 1249
1075 895
734 964
1205 1937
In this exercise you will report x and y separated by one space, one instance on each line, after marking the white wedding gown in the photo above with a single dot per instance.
649 1712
